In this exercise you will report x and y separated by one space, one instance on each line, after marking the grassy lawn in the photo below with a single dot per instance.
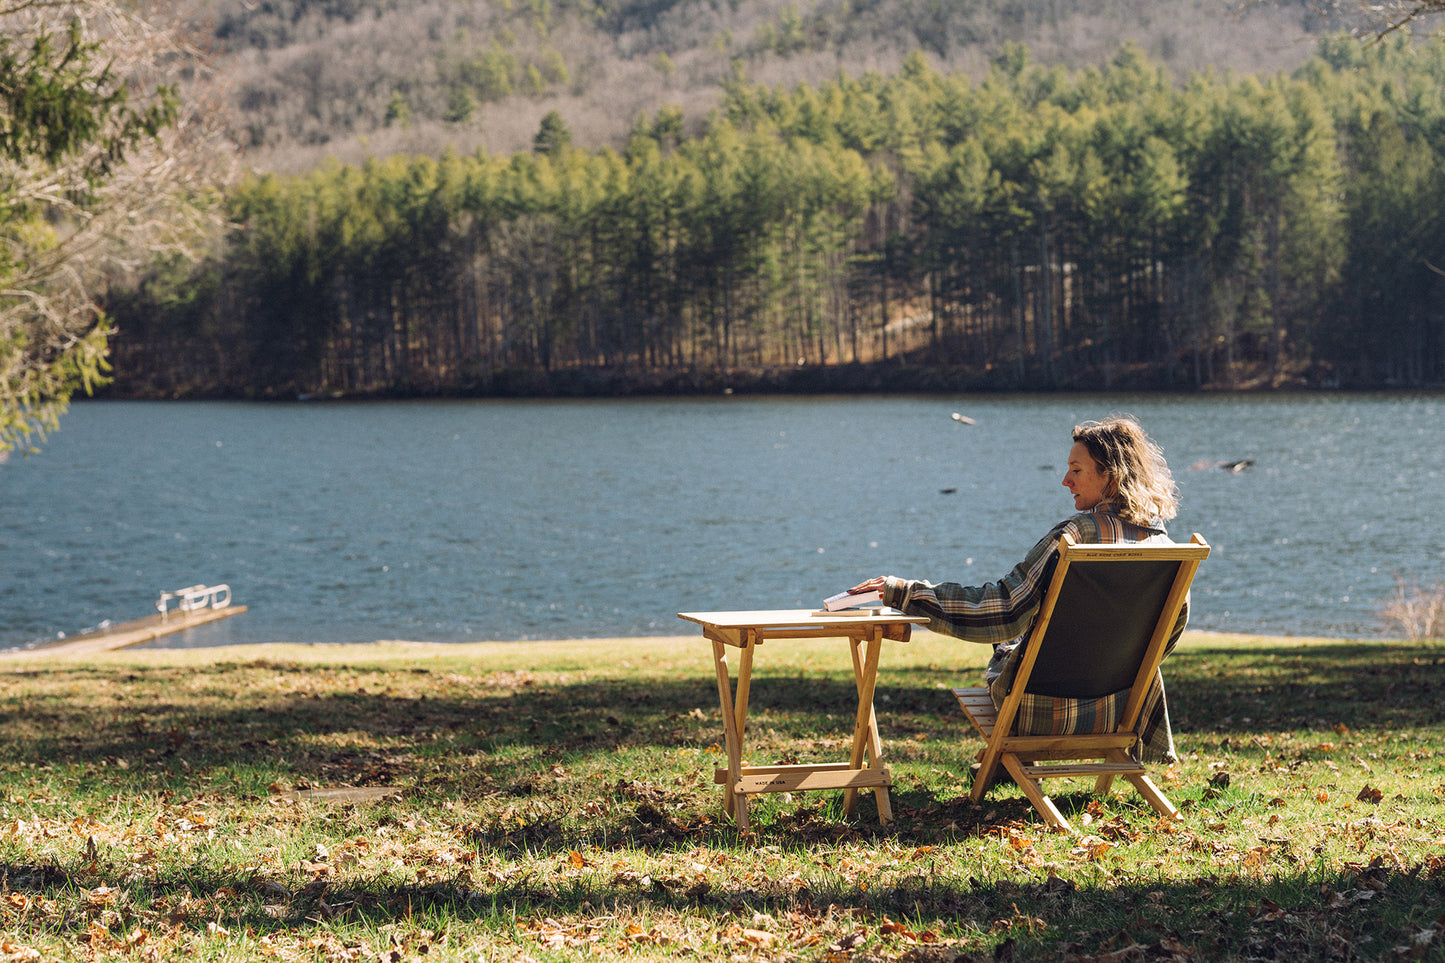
555 801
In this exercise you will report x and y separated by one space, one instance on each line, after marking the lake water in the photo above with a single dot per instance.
475 520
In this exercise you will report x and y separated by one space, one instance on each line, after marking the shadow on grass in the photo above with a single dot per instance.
1358 912
646 747
1362 686
347 728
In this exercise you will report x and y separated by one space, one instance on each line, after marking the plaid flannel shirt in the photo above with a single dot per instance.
1001 614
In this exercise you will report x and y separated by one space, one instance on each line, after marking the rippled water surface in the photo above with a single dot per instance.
458 521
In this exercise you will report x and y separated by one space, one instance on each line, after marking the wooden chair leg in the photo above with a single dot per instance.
1033 789
1157 799
988 761
1146 787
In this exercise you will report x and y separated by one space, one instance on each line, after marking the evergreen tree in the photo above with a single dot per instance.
553 137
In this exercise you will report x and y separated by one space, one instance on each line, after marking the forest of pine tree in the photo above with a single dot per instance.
1037 228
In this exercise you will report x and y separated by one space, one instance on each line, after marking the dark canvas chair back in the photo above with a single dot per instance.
1103 620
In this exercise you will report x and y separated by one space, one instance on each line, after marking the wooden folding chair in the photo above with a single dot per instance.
1103 627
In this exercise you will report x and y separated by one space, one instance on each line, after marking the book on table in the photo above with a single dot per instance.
852 600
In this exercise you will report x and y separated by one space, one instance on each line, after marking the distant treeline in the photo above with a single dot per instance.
1041 228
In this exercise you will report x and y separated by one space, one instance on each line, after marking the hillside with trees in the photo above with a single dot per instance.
1039 228
309 79
585 195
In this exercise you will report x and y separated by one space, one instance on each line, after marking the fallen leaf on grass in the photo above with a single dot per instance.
556 935
101 896
1165 949
656 936
97 936
1090 847
1257 857
1267 911
18 952
1020 920
890 928
847 943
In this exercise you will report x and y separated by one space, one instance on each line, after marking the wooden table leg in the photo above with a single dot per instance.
740 719
875 742
735 804
740 701
729 726
865 727
850 796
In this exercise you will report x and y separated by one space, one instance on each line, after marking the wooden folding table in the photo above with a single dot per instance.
865 630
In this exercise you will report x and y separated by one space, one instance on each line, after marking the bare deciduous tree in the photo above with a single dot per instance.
101 171
1389 17
1367 18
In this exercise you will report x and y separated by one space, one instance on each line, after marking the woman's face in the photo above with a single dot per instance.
1084 479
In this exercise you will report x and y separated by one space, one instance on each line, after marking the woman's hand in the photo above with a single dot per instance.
872 585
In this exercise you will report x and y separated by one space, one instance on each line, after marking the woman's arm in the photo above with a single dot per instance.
990 613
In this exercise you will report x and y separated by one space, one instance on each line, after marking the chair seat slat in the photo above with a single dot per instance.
978 705
1084 769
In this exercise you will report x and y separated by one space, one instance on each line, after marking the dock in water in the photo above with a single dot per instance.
198 607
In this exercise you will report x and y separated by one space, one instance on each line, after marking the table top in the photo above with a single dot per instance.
801 618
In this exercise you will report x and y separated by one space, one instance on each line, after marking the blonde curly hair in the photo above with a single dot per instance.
1140 485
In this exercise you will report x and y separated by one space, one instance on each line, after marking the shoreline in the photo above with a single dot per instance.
516 651
863 379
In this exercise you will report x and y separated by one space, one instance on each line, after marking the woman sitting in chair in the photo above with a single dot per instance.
1123 492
